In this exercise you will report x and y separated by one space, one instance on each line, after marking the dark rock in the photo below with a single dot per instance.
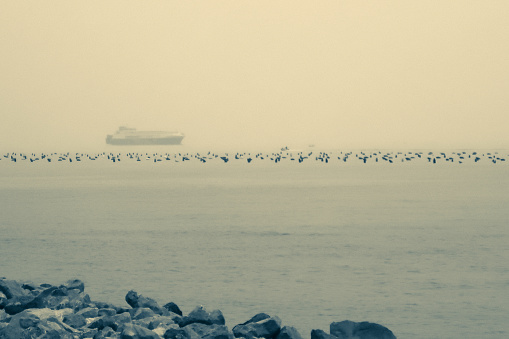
266 328
257 318
12 289
200 315
75 320
172 307
288 332
181 333
131 331
360 330
103 322
18 304
319 334
213 331
29 286
136 300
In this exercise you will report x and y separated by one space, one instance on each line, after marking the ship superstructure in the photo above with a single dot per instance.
130 136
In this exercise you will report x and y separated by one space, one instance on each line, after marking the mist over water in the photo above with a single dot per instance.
417 247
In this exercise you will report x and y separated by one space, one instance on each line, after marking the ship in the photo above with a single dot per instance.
130 136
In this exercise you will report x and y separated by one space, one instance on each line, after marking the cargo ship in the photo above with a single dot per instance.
130 136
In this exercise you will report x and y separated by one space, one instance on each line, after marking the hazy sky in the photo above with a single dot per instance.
347 74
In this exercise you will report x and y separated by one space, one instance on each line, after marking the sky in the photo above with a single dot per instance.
340 74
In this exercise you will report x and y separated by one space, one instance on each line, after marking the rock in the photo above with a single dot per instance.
89 312
200 315
27 325
75 284
103 322
134 300
181 333
161 321
131 331
288 332
360 330
12 289
319 334
106 332
141 312
213 331
106 311
257 318
266 328
121 318
172 307
75 320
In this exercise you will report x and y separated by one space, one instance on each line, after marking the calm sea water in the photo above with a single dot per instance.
422 249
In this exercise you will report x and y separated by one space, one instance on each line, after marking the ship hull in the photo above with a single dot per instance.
176 140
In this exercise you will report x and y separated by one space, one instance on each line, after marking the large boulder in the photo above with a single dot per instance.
288 332
136 300
200 315
180 333
131 331
320 334
12 289
141 313
172 307
265 328
360 330
213 331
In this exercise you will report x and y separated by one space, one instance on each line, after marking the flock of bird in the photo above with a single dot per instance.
283 155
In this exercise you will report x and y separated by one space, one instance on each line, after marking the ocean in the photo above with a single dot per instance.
419 247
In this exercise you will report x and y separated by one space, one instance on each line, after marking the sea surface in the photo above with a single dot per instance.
420 248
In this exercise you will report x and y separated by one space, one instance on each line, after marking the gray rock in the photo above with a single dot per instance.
75 320
136 300
288 332
319 334
257 318
27 325
106 311
103 322
266 328
121 318
160 320
213 331
141 312
181 333
172 307
131 331
360 330
89 312
75 284
106 332
12 289
200 315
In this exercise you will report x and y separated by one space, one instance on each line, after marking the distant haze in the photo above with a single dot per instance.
341 74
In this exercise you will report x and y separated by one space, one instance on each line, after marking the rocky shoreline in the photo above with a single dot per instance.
49 312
